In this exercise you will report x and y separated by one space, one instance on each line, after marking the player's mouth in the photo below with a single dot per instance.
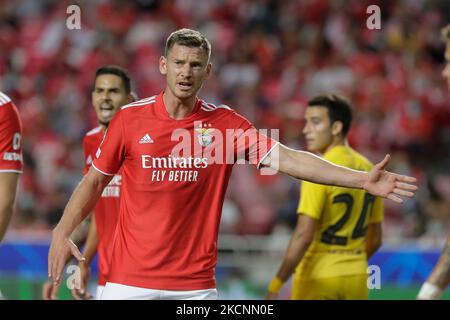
106 110
185 85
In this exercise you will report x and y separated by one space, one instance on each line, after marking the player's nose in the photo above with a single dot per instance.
186 71
305 129
104 96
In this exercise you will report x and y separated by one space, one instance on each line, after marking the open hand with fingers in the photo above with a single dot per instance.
61 249
50 290
389 185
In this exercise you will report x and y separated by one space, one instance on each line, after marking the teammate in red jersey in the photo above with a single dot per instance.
10 159
111 90
176 159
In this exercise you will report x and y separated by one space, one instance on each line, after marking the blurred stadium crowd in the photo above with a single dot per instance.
269 57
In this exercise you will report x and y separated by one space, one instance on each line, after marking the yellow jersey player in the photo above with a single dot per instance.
338 229
439 279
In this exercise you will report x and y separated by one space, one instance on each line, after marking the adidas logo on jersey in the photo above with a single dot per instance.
146 139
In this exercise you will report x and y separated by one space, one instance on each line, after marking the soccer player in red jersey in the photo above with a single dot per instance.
112 89
10 159
176 159
439 278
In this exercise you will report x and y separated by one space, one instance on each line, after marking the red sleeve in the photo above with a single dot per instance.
87 156
252 145
111 153
10 139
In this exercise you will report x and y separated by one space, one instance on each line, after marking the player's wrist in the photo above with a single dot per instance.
275 285
86 262
362 180
429 291
62 230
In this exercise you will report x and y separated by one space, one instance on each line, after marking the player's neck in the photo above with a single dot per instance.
177 108
336 142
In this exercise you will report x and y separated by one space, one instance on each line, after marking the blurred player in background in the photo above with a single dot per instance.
112 89
165 246
10 159
338 229
439 278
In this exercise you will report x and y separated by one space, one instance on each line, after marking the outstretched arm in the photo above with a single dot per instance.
90 247
298 245
80 204
439 278
306 166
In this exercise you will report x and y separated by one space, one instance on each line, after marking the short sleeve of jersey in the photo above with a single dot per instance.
377 211
252 145
86 153
312 199
10 139
111 153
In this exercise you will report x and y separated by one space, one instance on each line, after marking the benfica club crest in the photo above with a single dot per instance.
204 136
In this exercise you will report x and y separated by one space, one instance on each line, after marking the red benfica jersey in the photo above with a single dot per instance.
107 209
175 174
10 136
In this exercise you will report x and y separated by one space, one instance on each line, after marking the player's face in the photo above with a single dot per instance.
446 71
108 96
317 130
185 69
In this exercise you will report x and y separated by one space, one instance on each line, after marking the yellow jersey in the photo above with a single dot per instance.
342 216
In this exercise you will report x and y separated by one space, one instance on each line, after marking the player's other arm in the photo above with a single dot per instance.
79 235
90 249
306 166
81 202
374 238
301 239
441 273
8 187
439 278
50 289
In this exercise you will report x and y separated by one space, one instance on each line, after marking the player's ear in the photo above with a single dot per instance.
133 96
130 98
337 127
208 70
163 65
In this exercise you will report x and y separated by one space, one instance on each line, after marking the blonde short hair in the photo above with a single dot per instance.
189 38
